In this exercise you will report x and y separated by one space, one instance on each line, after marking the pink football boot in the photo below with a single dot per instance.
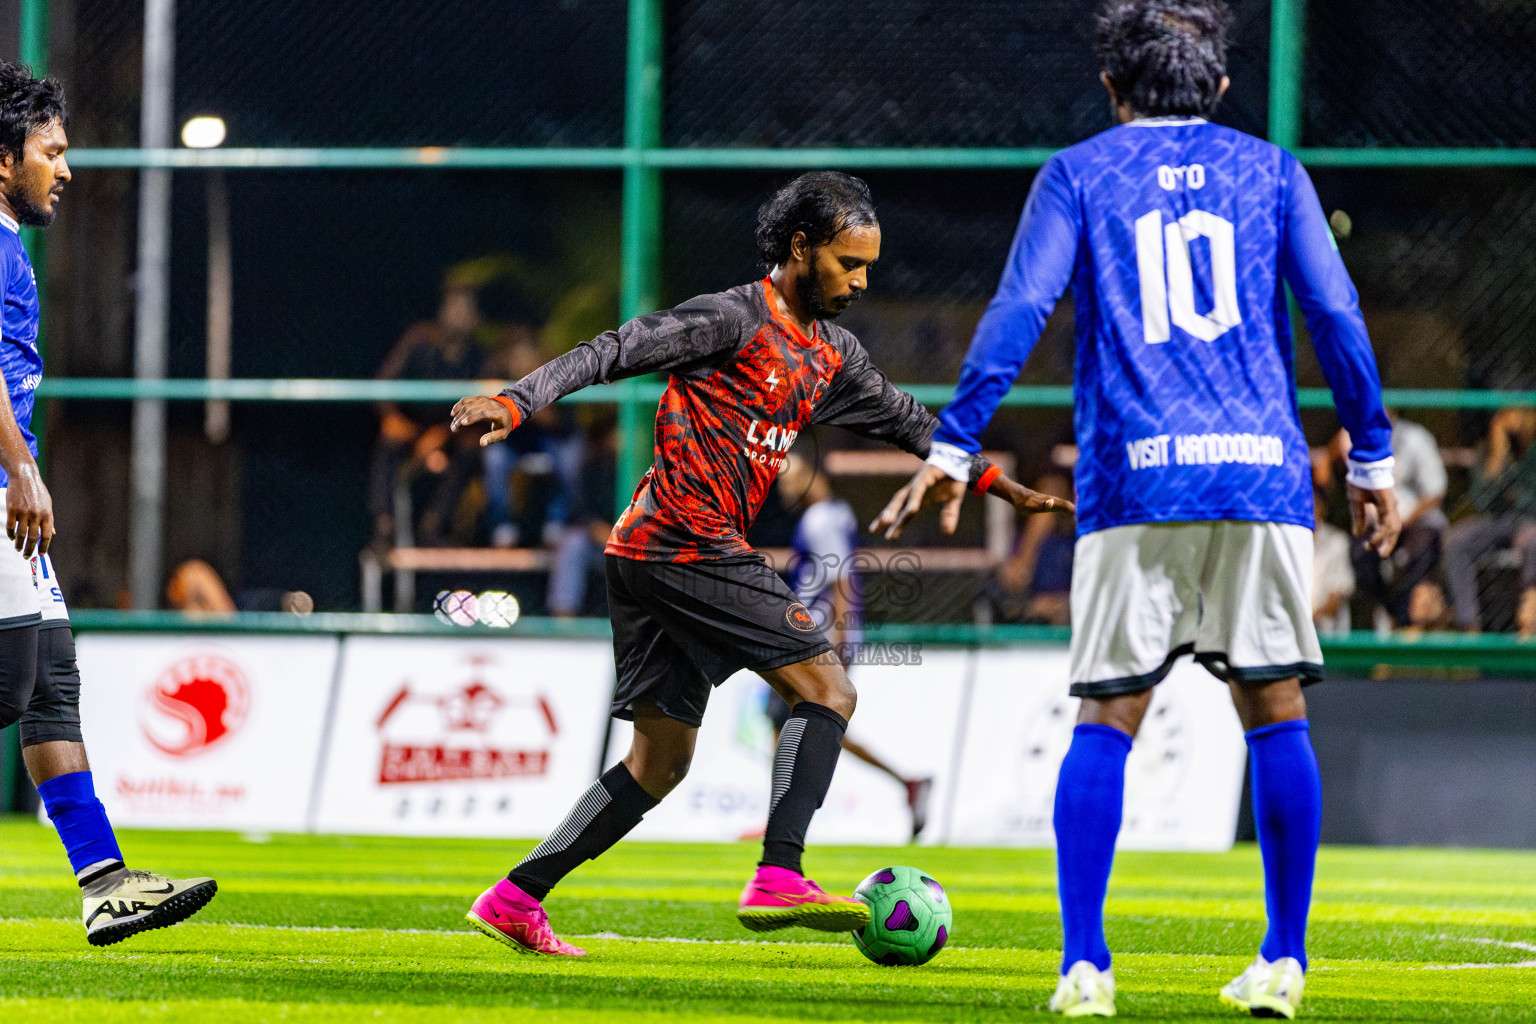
779 898
509 915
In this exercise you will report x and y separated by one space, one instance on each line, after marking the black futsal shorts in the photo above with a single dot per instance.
680 628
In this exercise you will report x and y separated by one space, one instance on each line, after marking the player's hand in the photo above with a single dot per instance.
1375 519
479 409
1026 501
28 511
928 486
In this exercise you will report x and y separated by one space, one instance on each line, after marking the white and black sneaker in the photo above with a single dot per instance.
125 902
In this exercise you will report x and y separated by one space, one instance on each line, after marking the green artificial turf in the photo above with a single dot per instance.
322 929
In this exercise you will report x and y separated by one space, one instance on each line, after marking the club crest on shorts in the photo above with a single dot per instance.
800 617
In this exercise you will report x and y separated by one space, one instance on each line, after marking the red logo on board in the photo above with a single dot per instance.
464 733
197 703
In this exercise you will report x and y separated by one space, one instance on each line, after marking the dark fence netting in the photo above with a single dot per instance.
360 72
1421 73
96 50
1442 262
908 73
449 72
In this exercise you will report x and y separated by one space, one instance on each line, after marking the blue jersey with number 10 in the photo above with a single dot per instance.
1176 236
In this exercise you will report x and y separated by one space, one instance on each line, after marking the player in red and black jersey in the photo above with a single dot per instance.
691 602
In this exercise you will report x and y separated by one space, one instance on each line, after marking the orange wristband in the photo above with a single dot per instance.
992 473
517 416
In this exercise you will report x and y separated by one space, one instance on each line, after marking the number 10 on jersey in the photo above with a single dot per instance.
1170 295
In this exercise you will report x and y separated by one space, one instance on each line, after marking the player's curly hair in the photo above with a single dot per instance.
1164 57
27 104
823 204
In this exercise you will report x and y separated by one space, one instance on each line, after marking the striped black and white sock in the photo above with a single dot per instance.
605 814
802 773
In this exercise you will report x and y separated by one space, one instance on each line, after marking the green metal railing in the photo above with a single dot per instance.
638 393
1358 653
713 159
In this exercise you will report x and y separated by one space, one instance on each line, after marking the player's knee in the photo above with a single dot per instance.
839 695
659 776
18 673
677 770
10 711
1264 704
53 715
848 699
16 693
1123 712
57 672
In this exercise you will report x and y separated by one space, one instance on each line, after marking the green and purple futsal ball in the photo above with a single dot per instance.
909 917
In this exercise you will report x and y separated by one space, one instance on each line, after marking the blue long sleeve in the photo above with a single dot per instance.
1315 271
1038 271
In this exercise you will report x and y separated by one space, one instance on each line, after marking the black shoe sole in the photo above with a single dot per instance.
173 911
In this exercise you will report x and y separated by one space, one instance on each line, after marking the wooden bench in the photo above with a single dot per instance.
404 560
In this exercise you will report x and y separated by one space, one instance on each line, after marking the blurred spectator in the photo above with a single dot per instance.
579 547
1427 608
1333 577
414 436
1502 494
1421 482
548 444
1035 583
196 586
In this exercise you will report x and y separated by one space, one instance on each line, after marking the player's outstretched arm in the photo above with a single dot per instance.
932 486
696 330
28 506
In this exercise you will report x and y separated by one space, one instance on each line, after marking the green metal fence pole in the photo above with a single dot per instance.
1287 28
1287 24
34 52
640 265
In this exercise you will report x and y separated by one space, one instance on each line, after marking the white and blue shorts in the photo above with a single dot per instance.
1236 595
29 588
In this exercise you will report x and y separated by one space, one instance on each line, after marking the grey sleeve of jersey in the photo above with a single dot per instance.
862 399
696 330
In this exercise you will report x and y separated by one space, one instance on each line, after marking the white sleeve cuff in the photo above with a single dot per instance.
953 460
1371 476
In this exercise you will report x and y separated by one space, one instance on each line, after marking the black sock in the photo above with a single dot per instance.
604 815
802 772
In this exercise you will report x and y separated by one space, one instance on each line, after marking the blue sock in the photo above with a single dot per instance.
82 825
1090 794
1288 811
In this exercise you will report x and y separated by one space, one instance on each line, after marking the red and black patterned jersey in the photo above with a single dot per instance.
743 382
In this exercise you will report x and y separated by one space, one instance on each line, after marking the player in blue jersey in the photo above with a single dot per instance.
1178 237
39 681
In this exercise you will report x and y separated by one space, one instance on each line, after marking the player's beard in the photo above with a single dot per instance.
29 211
809 285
